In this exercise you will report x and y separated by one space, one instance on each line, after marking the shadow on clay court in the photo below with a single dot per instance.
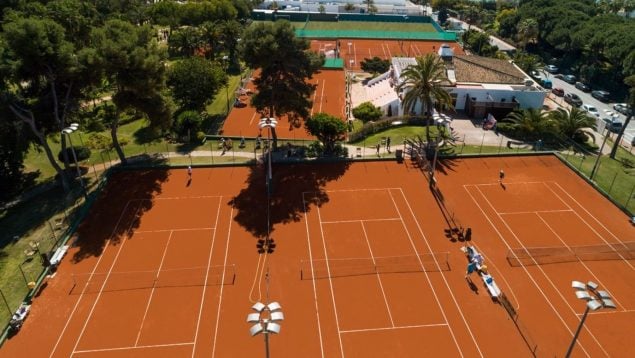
289 182
472 285
117 210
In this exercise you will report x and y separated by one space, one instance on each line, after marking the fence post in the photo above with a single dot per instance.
482 141
630 197
613 182
167 153
52 229
500 145
211 150
581 161
6 303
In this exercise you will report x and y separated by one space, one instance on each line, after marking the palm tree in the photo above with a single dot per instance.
532 123
572 123
422 83
528 31
630 81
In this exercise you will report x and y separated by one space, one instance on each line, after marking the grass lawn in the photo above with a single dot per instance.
397 135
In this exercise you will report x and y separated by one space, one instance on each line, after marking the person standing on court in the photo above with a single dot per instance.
189 172
501 176
388 144
378 147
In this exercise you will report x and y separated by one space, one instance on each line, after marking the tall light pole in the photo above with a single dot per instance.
68 130
226 63
597 161
268 123
595 300
265 319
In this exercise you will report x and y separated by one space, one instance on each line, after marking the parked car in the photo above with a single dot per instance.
590 109
558 91
613 124
546 83
622 108
551 68
569 79
582 87
601 95
573 99
559 76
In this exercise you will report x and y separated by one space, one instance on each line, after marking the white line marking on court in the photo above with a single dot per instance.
172 230
251 120
101 289
359 221
135 347
165 250
317 311
322 94
535 212
222 286
414 247
209 260
606 312
394 327
381 286
500 235
314 96
587 223
59 338
328 269
596 279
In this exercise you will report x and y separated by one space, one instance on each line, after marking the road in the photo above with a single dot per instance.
629 133
494 41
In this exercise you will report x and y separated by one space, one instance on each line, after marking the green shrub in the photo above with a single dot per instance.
200 136
99 141
367 112
82 153
188 122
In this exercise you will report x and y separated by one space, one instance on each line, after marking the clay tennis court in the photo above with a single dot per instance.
329 97
361 265
354 51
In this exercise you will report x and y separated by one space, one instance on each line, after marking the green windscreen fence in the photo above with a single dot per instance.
333 63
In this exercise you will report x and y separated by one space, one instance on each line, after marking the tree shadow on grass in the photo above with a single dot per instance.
296 188
117 210
147 135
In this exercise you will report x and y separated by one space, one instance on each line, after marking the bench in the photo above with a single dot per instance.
491 285
58 255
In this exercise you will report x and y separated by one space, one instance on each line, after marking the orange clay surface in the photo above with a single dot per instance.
384 49
329 97
158 222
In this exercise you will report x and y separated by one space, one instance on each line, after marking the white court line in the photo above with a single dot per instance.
101 289
315 96
358 221
587 223
209 261
597 279
534 212
322 95
328 270
394 327
388 49
383 49
172 230
222 286
317 311
135 347
392 322
251 121
59 338
425 240
165 250
354 54
500 236
606 312
353 190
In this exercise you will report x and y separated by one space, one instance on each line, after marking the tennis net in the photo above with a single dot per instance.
550 255
319 269
133 280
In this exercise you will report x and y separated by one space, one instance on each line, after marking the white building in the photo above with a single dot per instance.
477 85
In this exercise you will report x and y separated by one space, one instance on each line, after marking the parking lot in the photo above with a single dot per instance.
586 97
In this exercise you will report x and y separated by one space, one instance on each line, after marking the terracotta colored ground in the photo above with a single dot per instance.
385 49
329 97
147 220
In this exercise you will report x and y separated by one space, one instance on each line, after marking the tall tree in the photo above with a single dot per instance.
195 81
328 129
528 31
422 86
630 82
43 78
135 65
285 63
